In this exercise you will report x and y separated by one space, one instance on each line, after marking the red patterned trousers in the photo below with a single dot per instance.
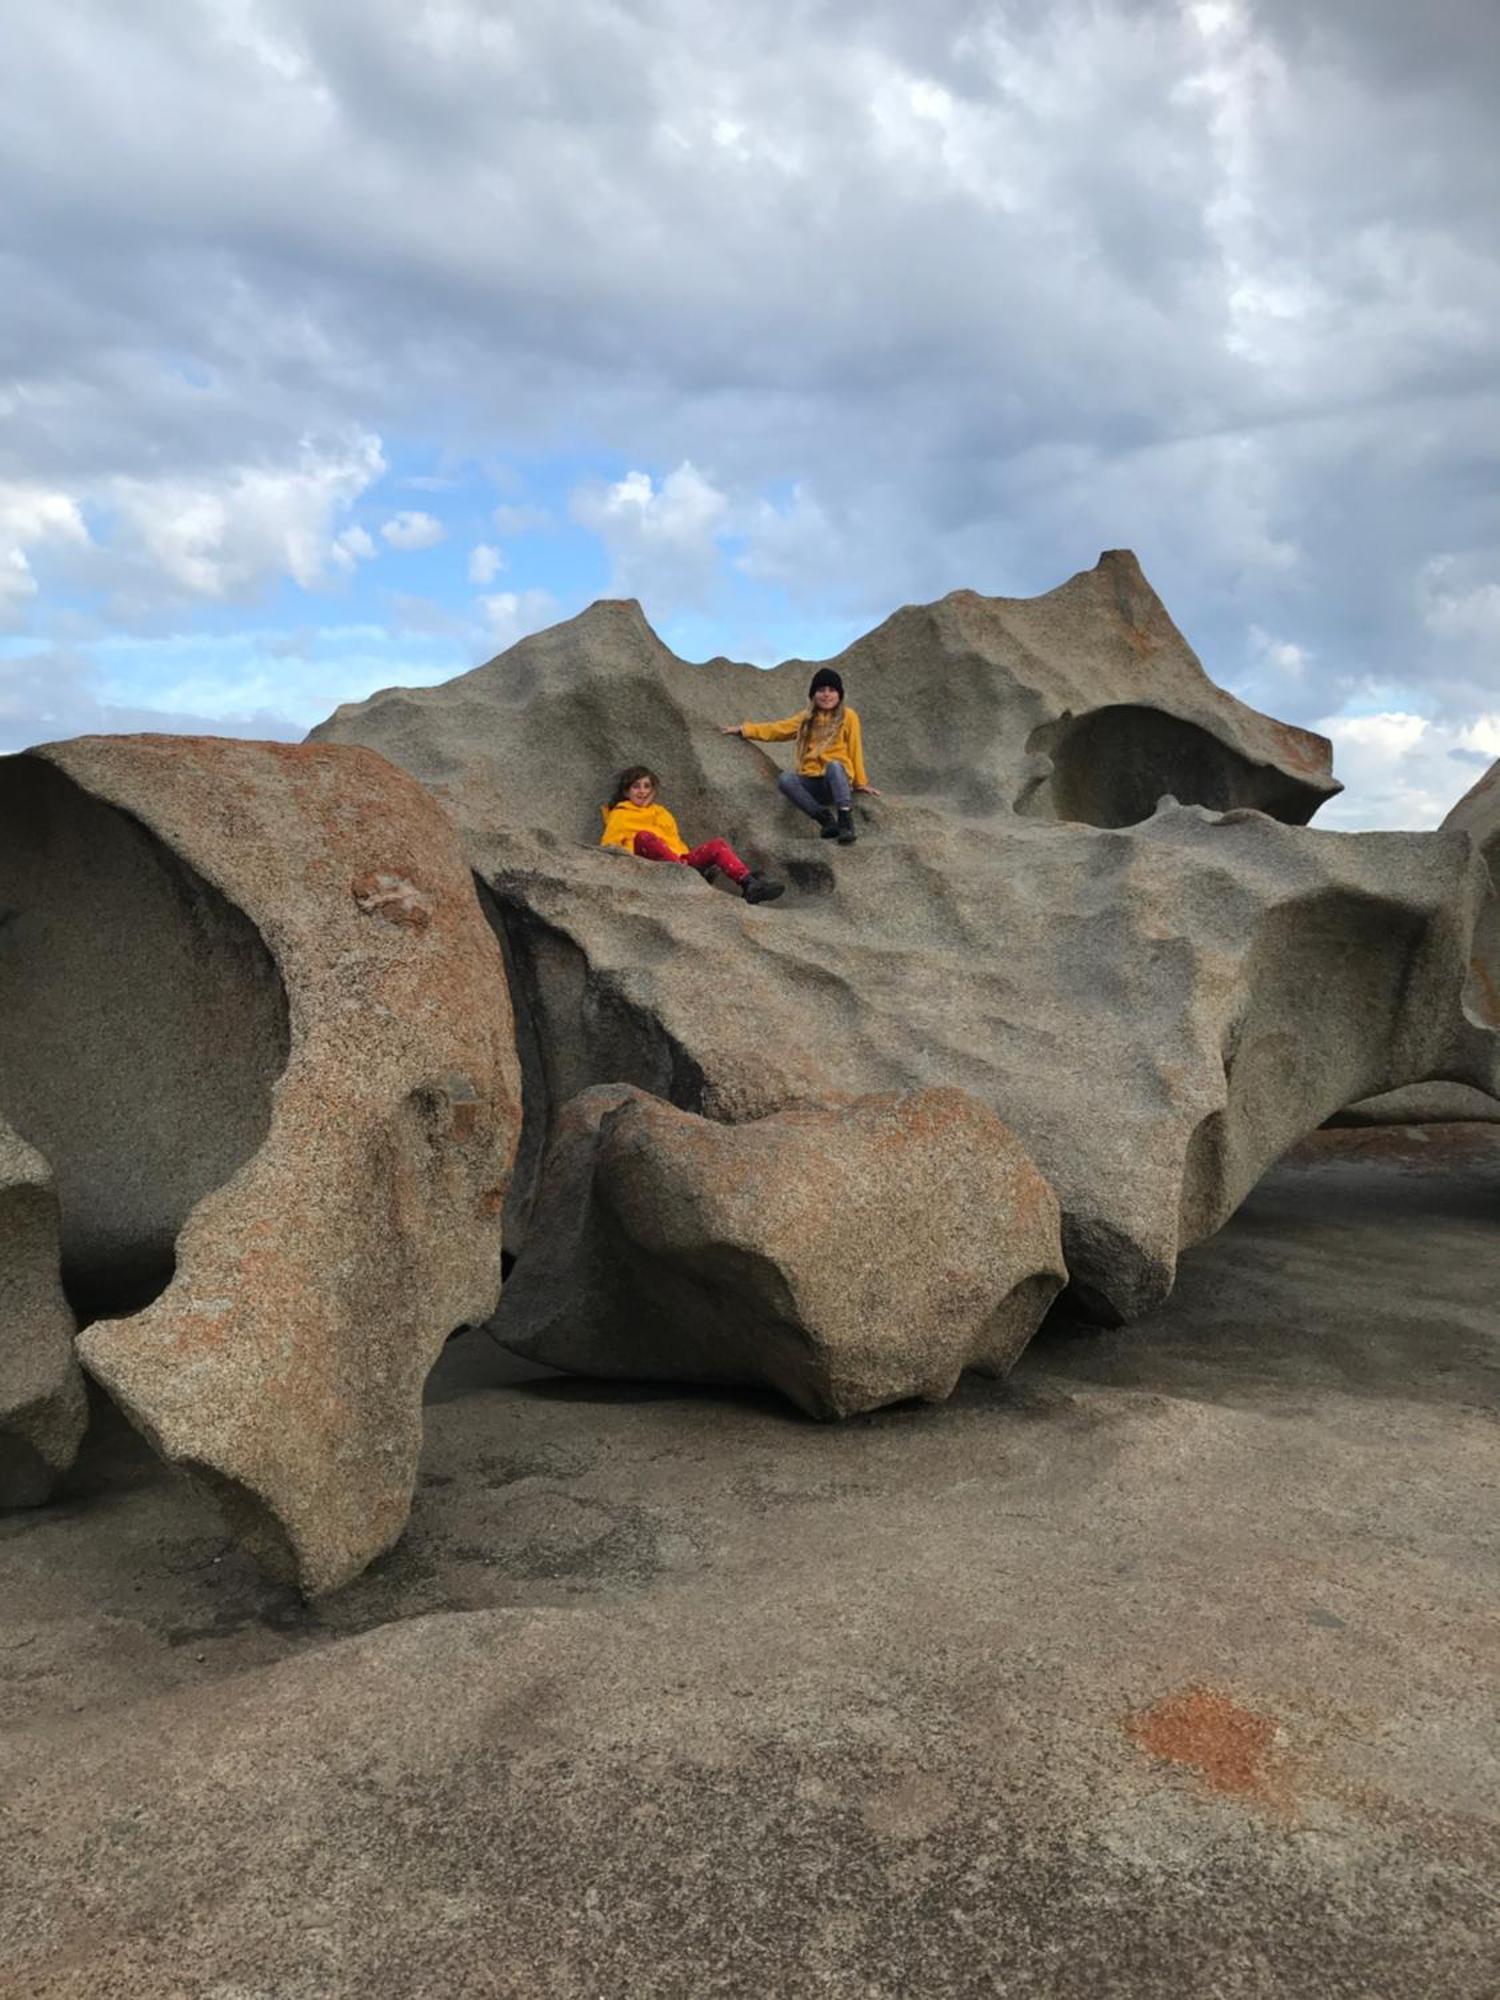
712 854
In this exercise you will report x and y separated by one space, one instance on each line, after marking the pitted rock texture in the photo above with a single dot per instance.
42 1403
671 1247
1156 1011
341 1089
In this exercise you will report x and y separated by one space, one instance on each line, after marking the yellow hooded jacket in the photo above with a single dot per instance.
842 747
623 821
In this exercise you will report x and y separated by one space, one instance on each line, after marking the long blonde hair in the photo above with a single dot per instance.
817 724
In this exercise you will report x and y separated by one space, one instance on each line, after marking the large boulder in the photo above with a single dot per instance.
1477 818
1080 901
669 1246
43 1408
252 1014
1477 815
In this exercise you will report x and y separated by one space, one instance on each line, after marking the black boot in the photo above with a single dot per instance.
844 831
828 825
757 889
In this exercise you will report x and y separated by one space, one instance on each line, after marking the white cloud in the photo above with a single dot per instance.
663 541
1405 770
1010 283
351 546
485 563
413 530
1282 657
227 538
509 615
30 515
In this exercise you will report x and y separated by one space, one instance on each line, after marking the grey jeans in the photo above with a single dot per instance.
816 796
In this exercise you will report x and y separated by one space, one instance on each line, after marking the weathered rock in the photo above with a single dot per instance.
1156 1010
42 1404
671 1247
1423 1104
1446 1102
1477 815
251 1012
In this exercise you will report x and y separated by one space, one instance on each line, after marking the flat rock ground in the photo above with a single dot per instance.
1167 1667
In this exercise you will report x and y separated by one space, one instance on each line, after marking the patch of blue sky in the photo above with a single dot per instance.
300 672
188 369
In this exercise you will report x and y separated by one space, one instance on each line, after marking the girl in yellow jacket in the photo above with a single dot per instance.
634 821
830 764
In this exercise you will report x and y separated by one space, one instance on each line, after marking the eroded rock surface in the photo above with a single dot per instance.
1157 1010
42 1403
267 1087
668 1246
1446 1101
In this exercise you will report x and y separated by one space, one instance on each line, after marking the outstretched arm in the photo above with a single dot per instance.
770 732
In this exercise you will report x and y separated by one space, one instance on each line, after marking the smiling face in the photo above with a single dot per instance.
641 792
826 700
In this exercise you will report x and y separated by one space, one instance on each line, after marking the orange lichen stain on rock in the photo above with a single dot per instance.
380 893
1142 642
1432 1147
1484 980
1230 1747
1303 748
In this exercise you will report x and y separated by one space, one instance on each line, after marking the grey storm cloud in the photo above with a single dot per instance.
984 288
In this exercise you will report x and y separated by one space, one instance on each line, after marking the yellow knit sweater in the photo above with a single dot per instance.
842 746
623 821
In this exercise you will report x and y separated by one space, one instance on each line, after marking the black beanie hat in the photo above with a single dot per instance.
825 677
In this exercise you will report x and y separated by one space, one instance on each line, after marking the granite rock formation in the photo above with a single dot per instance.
42 1403
1477 816
670 1246
1087 899
252 1017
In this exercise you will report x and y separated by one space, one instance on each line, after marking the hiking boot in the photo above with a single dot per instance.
756 889
828 825
844 831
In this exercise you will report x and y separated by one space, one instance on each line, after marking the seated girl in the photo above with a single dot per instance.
635 822
829 762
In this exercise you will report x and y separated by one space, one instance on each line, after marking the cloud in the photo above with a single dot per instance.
663 541
413 530
228 537
30 515
350 546
509 615
900 299
485 563
1403 769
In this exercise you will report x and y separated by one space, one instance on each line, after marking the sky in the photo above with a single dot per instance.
341 345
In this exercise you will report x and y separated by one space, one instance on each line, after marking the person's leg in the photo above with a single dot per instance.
841 792
651 847
718 854
836 782
806 794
